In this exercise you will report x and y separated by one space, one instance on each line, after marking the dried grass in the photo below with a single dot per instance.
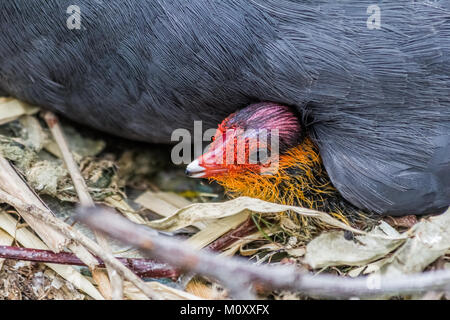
153 191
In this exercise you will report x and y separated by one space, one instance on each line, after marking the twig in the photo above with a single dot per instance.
80 238
244 229
114 287
5 239
12 183
239 273
144 268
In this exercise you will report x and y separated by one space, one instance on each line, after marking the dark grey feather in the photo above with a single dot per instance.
377 102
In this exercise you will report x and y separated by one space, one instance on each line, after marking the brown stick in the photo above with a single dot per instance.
112 287
144 268
244 229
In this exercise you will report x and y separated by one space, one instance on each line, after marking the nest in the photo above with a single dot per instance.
141 183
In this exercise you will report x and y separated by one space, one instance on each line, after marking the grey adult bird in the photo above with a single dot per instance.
370 84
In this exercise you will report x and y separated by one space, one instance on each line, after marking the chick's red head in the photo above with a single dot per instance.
251 139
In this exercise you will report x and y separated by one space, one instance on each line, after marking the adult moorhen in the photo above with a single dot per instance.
369 85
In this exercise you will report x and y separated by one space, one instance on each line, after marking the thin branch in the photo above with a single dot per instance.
79 238
144 268
11 182
239 274
246 228
114 287
78 180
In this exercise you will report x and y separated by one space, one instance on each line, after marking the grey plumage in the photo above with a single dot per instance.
377 102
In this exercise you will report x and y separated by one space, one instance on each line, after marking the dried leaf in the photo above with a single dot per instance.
268 246
131 292
356 272
296 252
332 249
120 204
78 144
215 230
430 240
33 134
46 176
12 109
202 212
165 204
154 202
239 244
168 203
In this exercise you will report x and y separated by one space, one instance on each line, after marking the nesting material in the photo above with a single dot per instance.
285 233
11 109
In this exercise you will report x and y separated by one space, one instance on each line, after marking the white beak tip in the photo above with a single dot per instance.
195 170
